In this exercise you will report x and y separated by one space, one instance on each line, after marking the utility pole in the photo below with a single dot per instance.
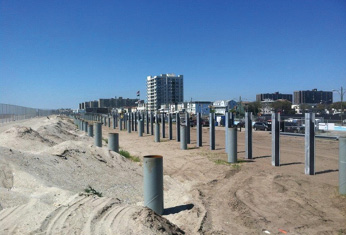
341 92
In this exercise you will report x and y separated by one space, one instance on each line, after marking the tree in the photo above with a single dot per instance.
254 107
283 106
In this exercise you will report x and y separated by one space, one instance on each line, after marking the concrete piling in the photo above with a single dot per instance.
309 143
147 121
275 139
153 183
121 122
128 123
342 165
157 130
86 126
227 125
188 126
109 122
163 125
136 121
98 134
232 144
170 133
151 123
140 127
248 135
177 122
212 131
113 142
183 137
114 122
91 130
199 130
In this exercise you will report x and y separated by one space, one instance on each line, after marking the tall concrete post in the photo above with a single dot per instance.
147 121
232 144
105 121
133 121
177 122
121 122
309 143
113 142
86 126
212 131
91 130
227 125
82 125
98 134
199 130
275 139
153 183
136 121
163 125
248 135
128 126
170 132
151 123
114 122
157 131
188 126
109 122
183 136
140 127
342 165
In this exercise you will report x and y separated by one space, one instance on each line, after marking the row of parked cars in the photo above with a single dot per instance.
284 126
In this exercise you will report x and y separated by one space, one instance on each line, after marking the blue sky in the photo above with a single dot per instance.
57 54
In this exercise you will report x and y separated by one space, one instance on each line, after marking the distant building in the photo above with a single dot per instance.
273 96
313 97
222 106
164 89
202 107
108 103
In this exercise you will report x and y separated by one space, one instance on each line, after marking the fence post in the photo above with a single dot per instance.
248 135
199 130
309 143
275 139
342 165
212 131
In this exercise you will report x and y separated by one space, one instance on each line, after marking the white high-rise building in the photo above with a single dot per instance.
164 89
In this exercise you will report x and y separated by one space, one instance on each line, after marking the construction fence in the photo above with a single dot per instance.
10 113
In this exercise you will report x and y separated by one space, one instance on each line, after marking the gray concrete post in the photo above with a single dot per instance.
309 143
212 131
153 183
275 139
82 125
183 137
136 120
128 123
151 123
227 125
163 125
121 122
109 122
170 133
232 144
132 121
188 126
342 165
98 134
199 130
248 135
140 127
113 142
114 122
147 121
105 121
91 130
157 131
86 126
177 122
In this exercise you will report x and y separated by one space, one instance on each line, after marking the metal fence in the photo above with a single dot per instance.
10 113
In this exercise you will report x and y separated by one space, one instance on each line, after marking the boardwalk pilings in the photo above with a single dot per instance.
98 134
309 143
212 131
248 135
275 139
113 142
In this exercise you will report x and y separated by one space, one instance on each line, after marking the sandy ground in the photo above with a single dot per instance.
45 165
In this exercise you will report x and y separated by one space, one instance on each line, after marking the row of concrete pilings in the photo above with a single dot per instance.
156 125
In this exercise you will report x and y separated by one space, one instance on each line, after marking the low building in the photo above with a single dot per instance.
222 106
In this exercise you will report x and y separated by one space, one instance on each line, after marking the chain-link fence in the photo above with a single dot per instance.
10 113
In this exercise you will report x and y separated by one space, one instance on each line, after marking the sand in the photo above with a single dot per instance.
46 164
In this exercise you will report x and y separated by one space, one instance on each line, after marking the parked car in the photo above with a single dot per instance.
261 126
293 127
205 122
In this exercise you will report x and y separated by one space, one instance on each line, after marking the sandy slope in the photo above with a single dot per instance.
45 165
44 170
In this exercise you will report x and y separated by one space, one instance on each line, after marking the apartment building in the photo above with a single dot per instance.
164 89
